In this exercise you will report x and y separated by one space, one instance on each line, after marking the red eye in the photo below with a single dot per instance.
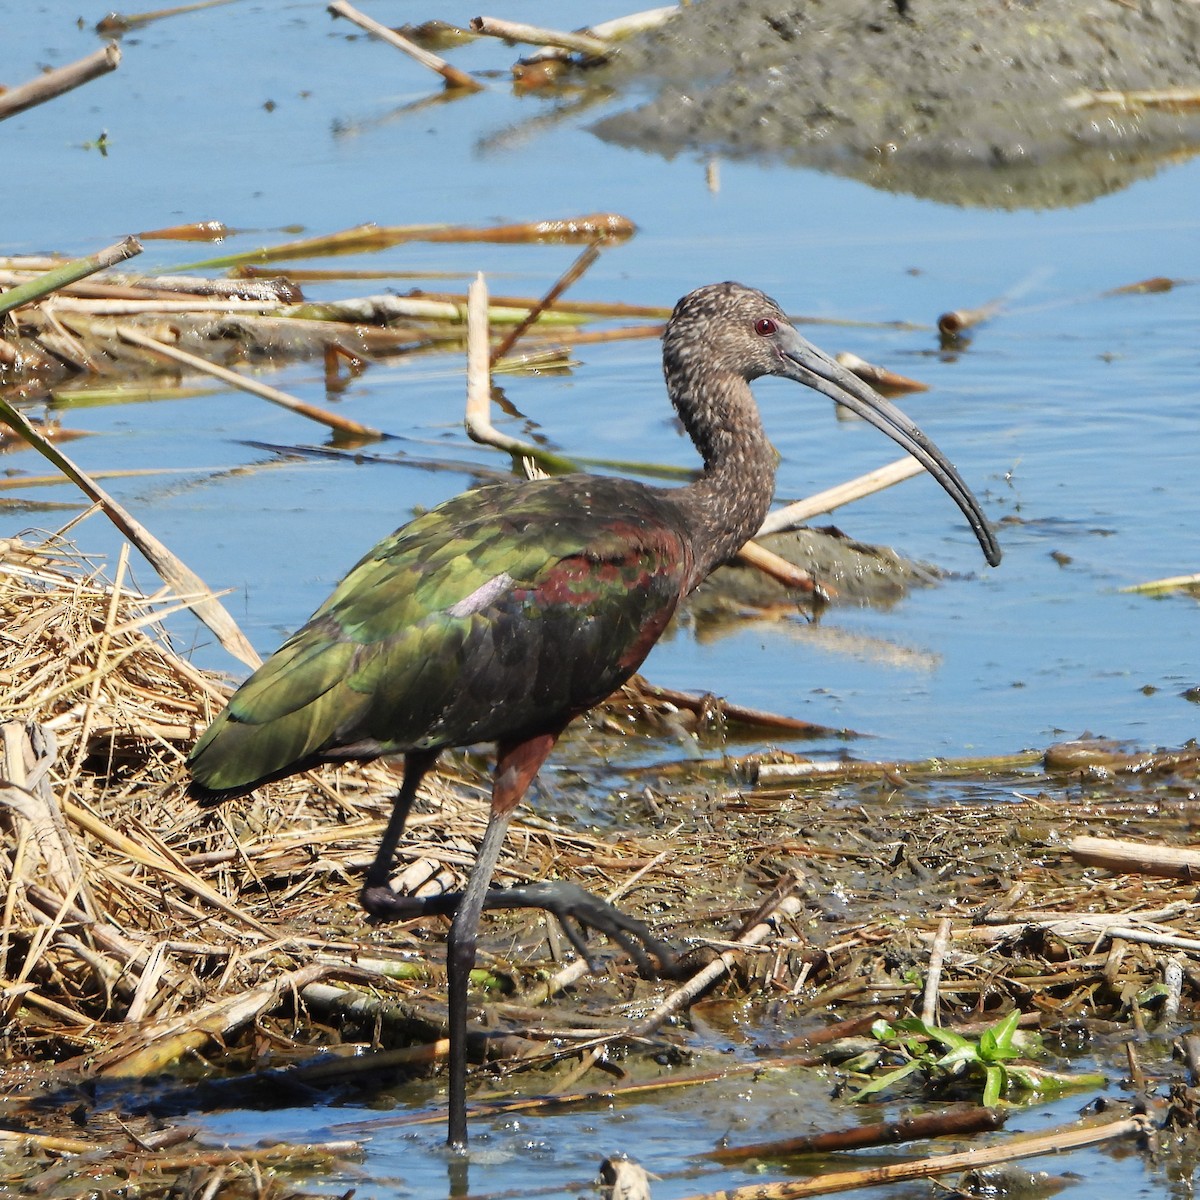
764 326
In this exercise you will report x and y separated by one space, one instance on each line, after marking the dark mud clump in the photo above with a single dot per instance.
930 101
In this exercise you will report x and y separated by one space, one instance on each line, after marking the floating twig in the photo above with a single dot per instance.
451 76
586 44
61 79
123 23
1172 583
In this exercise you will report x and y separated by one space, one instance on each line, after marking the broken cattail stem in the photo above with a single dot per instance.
638 22
1167 97
478 419
778 568
582 308
1171 862
933 978
1157 283
564 281
70 272
170 568
61 79
123 22
879 377
194 231
956 321
787 906
826 501
514 31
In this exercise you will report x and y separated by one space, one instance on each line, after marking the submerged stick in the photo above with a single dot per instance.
882 1133
1053 1142
61 79
554 1100
67 273
333 420
451 76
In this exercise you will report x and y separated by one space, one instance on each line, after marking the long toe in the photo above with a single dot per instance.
571 905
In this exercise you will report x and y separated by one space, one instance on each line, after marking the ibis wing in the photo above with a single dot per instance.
503 612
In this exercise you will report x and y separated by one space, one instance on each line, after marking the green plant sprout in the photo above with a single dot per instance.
943 1056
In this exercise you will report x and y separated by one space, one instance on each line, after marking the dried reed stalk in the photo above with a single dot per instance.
62 79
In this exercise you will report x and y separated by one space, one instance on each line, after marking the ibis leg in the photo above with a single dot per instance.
516 765
377 896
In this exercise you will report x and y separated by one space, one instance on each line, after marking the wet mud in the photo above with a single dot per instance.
981 103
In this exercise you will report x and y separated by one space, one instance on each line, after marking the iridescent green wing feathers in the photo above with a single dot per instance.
502 612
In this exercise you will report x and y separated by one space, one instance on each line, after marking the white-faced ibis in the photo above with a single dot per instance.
507 611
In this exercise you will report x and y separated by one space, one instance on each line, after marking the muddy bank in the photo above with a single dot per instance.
968 104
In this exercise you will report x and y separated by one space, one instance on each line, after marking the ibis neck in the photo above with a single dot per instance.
725 506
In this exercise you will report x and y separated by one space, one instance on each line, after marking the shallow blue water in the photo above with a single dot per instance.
1073 413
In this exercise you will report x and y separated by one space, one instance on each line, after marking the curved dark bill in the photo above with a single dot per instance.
803 362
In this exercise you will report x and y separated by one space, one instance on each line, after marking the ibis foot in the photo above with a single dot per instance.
577 911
